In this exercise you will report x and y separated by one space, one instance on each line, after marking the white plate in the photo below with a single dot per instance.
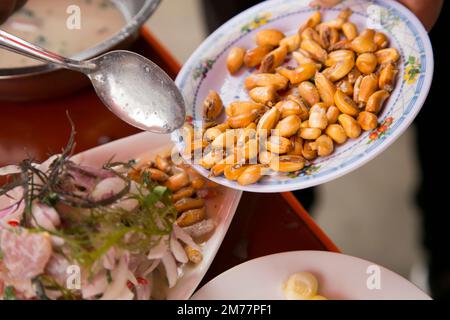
221 208
206 70
340 277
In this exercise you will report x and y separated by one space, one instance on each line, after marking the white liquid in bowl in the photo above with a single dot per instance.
44 22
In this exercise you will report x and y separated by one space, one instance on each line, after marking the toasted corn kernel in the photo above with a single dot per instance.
268 121
342 44
353 75
225 140
326 88
183 193
292 106
345 14
235 59
210 159
194 255
337 133
324 146
266 79
241 107
191 217
273 59
318 119
302 57
363 44
334 23
251 174
278 144
297 145
198 183
333 114
185 204
367 121
351 126
156 174
368 34
350 31
212 133
388 55
309 92
387 77
356 88
328 36
310 133
369 84
339 55
301 73
253 57
265 95
345 86
381 40
212 106
251 149
345 104
287 163
269 37
177 181
288 126
308 153
232 172
314 49
311 34
366 63
242 120
265 157
376 101
292 42
311 22
162 164
341 69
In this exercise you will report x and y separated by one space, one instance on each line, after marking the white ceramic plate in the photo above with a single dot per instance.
206 70
221 208
340 277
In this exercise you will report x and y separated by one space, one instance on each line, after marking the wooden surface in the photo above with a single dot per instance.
263 224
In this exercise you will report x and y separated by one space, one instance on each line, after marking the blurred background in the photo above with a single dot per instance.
369 213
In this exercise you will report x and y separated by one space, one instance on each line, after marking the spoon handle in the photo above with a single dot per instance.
20 46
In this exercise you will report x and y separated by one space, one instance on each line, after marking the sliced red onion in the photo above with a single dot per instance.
107 188
183 236
45 216
109 259
200 229
10 209
126 294
44 166
152 267
158 251
132 278
11 169
119 281
97 285
171 269
177 250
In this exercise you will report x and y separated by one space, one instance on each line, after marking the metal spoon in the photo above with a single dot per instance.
131 86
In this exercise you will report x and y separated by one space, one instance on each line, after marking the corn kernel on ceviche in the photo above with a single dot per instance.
308 93
122 231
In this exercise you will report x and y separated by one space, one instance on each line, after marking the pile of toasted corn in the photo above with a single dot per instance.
187 186
340 83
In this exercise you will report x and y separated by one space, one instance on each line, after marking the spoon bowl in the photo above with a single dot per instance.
131 86
137 91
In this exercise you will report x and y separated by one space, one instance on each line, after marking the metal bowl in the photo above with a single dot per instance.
47 81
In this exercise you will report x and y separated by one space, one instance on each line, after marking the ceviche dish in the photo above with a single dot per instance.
120 231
